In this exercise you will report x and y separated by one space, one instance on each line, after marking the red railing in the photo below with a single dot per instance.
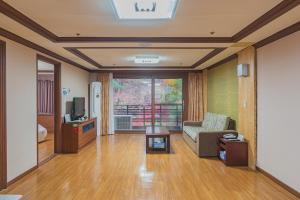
168 115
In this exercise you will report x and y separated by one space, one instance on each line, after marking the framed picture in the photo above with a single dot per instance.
67 118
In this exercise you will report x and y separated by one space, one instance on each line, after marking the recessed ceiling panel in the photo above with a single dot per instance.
194 18
145 9
126 57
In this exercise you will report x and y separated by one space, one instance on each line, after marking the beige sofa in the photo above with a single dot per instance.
202 136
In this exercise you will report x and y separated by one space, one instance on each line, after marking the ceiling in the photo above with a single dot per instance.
89 34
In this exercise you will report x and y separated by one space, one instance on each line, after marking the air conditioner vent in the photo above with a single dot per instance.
123 122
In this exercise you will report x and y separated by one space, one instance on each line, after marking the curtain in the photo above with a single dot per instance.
45 94
195 97
106 103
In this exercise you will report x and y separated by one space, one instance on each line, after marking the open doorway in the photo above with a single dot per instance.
45 110
48 109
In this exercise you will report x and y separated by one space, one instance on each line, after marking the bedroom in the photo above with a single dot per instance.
45 110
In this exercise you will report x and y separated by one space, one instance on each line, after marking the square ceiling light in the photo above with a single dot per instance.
145 9
146 60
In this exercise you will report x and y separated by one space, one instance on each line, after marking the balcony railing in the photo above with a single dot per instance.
168 115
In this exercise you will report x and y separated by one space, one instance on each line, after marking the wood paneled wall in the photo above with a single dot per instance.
3 151
247 102
205 86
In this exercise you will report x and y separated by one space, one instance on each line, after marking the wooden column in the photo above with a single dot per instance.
204 85
3 141
247 102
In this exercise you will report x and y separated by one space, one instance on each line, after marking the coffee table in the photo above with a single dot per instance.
157 140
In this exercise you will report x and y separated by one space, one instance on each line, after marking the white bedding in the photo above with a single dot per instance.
42 133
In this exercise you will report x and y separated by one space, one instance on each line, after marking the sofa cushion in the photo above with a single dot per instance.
192 131
215 122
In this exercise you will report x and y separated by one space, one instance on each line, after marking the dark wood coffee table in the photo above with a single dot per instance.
157 133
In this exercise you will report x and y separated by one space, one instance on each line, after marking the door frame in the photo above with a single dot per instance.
3 129
57 104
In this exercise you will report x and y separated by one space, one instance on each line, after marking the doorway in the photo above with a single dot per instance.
48 109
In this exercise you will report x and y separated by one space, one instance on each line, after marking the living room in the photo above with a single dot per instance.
143 106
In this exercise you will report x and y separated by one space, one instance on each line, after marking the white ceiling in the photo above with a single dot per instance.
194 18
125 57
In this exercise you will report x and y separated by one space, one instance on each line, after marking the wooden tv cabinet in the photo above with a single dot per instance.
76 135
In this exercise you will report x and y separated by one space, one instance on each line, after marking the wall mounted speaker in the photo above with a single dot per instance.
243 70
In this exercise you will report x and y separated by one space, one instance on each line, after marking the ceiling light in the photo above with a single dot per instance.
146 60
145 9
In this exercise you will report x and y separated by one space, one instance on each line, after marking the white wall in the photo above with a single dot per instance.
21 104
77 80
278 133
21 109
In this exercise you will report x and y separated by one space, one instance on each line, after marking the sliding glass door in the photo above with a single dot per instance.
168 103
139 103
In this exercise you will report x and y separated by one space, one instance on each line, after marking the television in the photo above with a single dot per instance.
78 108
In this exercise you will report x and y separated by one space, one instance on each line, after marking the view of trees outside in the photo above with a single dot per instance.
168 103
133 97
132 91
168 91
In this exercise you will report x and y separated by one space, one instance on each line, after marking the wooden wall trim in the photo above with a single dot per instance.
225 60
205 90
11 36
57 102
148 74
280 9
277 11
208 56
78 53
81 55
3 130
285 186
247 103
57 107
277 36
22 175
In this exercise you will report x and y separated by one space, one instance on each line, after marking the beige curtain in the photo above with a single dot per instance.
104 78
195 99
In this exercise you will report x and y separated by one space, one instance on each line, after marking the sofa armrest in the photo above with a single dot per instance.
219 133
192 123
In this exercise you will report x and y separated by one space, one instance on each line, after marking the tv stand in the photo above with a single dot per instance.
76 135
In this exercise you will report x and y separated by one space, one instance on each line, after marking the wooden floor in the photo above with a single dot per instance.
46 148
116 167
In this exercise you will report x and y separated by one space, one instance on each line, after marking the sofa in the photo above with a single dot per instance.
202 136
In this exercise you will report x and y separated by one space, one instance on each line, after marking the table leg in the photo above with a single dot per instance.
168 144
147 144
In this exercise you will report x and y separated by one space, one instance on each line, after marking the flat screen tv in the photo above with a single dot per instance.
78 107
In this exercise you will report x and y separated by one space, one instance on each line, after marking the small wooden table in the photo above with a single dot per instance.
157 133
236 152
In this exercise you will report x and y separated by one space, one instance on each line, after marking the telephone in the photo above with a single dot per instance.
229 136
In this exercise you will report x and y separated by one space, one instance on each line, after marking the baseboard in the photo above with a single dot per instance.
22 175
285 186
46 160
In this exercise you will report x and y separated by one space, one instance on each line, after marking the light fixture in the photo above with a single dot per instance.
146 60
145 9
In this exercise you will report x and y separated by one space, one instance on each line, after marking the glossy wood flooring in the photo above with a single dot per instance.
46 148
117 168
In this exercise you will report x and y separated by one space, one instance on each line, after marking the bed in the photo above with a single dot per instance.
42 133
